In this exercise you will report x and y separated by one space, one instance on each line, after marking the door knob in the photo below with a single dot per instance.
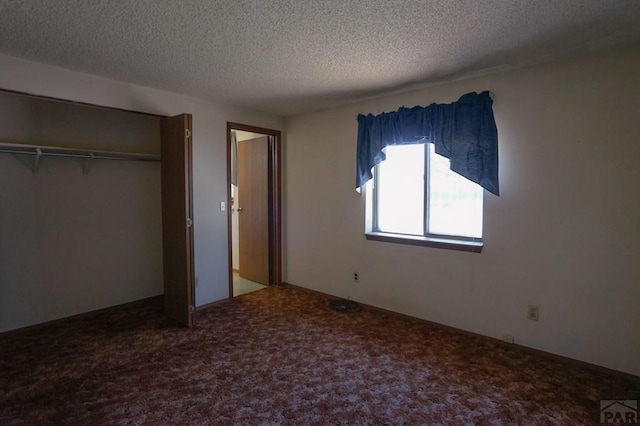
240 209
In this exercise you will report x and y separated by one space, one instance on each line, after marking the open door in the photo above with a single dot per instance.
261 159
253 209
177 218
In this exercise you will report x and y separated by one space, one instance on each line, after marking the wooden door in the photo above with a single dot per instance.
253 209
177 218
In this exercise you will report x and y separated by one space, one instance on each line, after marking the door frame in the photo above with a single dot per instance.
275 201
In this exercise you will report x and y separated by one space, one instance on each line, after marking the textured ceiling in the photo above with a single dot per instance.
294 56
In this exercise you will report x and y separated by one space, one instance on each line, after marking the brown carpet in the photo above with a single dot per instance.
281 356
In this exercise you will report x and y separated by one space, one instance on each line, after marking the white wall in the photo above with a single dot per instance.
209 159
564 234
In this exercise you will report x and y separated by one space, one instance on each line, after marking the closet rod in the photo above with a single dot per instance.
51 151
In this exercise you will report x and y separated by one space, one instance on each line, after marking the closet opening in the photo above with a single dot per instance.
84 201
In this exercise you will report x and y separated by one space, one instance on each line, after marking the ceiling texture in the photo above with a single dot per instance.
294 56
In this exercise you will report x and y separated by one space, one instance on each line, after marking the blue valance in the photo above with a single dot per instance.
464 131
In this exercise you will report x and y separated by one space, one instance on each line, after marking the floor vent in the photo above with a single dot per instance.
344 305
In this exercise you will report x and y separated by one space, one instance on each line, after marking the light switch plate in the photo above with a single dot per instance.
223 206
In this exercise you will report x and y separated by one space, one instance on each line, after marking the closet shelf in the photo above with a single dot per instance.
52 151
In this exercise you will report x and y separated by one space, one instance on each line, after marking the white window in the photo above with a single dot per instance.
415 197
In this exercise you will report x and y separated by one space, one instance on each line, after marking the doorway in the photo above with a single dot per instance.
253 213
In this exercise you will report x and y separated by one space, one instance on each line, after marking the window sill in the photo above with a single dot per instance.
442 243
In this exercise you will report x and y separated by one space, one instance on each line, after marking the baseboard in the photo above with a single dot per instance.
82 315
548 355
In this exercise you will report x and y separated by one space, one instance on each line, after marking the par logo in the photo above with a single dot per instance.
621 411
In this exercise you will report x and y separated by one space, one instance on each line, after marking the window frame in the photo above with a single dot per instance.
442 241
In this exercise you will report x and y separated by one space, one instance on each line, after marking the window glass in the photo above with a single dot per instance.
455 203
400 190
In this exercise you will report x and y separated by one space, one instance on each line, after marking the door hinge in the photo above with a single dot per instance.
187 132
189 222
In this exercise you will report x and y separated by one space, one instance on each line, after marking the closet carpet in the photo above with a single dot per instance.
281 356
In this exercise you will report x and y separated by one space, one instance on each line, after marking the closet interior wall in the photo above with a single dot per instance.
73 242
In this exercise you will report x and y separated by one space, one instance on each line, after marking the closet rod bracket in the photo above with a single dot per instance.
36 160
86 165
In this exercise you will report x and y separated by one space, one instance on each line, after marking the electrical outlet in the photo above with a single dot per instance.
508 338
533 312
356 277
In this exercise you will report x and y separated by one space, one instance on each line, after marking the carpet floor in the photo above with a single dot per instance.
281 356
